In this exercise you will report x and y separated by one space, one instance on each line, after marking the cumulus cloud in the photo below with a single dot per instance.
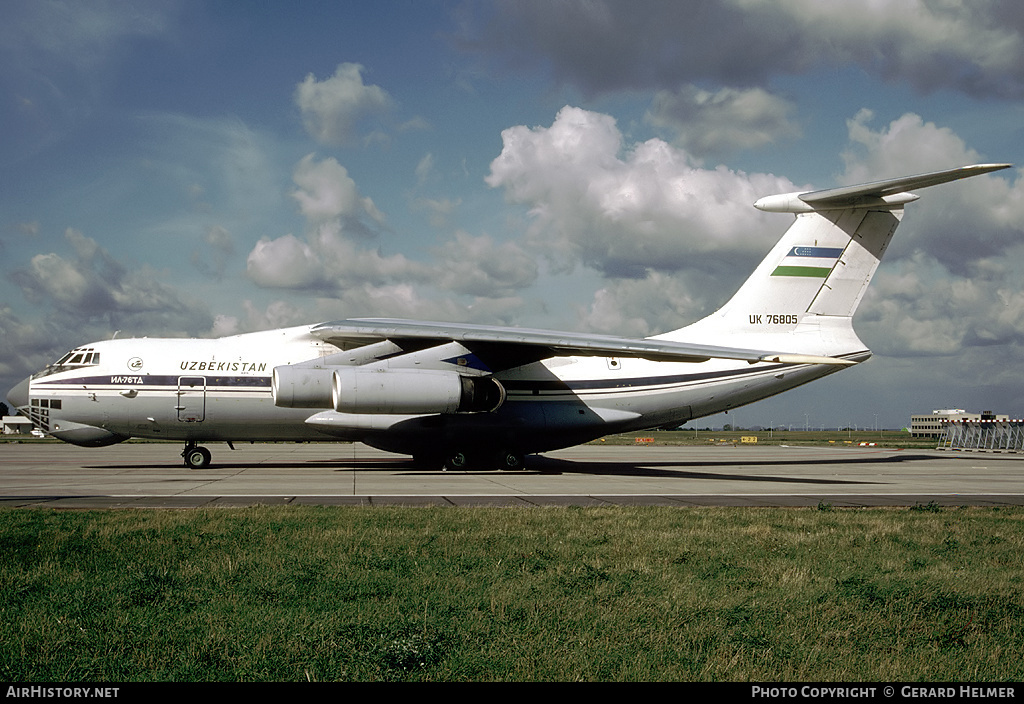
609 45
333 266
85 295
908 143
327 193
976 48
94 285
950 279
327 262
327 258
25 347
959 223
332 258
626 210
482 267
657 303
285 262
332 109
969 333
922 309
725 121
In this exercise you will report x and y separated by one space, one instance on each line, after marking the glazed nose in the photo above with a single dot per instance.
18 396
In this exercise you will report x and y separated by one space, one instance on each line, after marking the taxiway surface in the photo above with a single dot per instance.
152 475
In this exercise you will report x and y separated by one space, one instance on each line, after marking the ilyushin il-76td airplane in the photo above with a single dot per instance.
460 396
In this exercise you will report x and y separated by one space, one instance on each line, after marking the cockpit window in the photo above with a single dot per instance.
79 357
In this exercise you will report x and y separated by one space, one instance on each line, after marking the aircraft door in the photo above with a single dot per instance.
191 399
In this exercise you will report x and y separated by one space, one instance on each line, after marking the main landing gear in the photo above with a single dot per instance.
196 457
504 459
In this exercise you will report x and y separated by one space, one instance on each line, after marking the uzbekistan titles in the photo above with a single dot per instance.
212 366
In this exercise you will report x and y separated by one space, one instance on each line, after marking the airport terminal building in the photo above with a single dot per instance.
17 425
934 424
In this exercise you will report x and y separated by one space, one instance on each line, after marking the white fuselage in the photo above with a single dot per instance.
199 390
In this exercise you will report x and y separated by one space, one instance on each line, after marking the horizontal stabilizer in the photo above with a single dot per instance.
886 194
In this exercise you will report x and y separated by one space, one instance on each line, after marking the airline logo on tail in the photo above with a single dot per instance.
806 261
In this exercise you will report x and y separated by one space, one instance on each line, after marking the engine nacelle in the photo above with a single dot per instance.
413 391
301 387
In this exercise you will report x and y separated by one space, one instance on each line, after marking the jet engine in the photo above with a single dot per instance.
301 387
412 391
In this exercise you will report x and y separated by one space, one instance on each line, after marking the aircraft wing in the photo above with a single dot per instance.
504 347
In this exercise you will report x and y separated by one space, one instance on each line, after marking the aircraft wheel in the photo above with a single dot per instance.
509 459
457 460
197 457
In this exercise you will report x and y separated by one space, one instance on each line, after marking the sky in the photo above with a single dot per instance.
175 168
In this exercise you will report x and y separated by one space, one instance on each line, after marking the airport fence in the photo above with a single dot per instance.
983 435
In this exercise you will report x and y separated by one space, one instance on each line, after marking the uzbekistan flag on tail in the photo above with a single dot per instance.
814 262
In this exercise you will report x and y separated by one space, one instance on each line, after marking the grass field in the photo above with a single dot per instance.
620 594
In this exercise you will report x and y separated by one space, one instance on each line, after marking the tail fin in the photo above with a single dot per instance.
810 284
